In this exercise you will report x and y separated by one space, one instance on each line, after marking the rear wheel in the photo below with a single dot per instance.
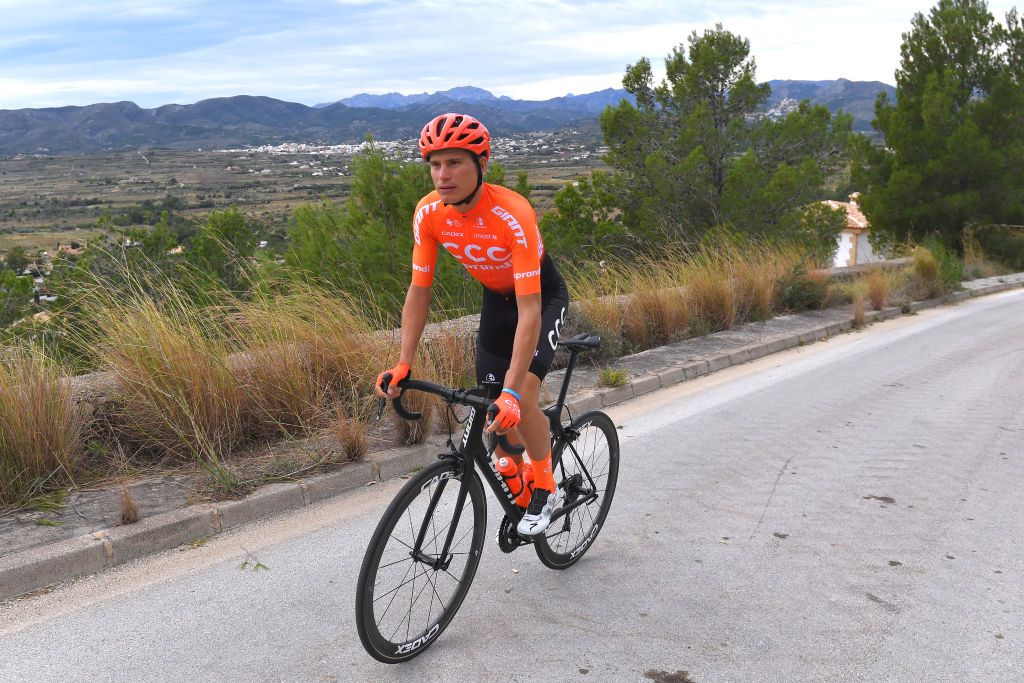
407 593
586 465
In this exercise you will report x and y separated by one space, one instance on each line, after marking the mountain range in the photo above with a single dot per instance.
853 97
591 103
249 120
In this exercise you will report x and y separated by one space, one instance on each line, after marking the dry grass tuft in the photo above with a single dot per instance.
655 309
926 267
129 509
201 382
635 328
759 272
858 310
632 304
710 291
353 435
603 316
282 397
181 400
653 301
878 286
303 354
40 429
411 432
449 356
976 262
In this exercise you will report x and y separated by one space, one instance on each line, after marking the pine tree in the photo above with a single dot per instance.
954 137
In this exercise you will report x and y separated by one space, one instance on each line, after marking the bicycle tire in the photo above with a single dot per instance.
594 451
388 564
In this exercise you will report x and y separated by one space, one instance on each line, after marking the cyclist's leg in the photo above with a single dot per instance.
555 303
534 428
498 320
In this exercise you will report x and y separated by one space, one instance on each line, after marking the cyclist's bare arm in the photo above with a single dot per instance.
525 342
414 320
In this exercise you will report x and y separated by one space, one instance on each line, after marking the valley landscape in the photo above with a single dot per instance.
45 200
62 169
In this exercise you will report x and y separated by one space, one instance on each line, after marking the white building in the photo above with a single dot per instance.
854 247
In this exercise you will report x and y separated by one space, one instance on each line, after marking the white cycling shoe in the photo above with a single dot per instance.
538 514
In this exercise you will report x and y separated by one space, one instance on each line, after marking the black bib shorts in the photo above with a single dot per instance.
498 319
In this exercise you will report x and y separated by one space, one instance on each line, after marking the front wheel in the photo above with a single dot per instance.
408 589
586 466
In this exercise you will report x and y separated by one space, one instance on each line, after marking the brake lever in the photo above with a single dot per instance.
503 441
383 402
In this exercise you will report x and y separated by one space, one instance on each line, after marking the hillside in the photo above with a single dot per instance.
247 120
853 97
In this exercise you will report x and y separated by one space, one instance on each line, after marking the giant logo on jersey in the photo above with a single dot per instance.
512 222
516 228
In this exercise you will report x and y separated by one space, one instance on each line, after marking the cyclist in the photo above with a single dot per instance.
493 232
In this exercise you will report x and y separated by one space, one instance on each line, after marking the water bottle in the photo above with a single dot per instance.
509 471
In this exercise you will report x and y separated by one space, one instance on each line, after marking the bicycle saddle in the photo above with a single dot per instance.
581 341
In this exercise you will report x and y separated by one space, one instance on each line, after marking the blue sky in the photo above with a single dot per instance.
71 52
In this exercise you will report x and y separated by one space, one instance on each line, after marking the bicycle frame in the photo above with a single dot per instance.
471 453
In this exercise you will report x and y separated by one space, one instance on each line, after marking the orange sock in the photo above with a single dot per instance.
523 499
543 477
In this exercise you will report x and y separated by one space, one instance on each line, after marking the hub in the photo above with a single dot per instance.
436 563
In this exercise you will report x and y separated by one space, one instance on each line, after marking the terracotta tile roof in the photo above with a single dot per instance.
855 219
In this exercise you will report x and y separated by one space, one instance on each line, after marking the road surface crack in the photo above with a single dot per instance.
771 494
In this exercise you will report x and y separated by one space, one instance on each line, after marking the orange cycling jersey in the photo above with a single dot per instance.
497 240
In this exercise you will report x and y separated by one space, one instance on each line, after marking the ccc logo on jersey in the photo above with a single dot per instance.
475 253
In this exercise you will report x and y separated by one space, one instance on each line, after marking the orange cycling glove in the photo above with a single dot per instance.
508 411
398 373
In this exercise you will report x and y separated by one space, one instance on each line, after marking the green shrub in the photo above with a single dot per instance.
951 266
803 290
1004 243
611 377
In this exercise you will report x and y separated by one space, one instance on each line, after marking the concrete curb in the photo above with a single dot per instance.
37 568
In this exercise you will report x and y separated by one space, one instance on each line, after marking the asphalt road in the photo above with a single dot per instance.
850 510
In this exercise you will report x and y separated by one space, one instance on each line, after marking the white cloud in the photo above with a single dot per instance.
153 52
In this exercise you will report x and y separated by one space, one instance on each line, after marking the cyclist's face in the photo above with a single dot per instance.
454 173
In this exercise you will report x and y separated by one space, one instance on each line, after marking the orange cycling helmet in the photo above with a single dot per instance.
455 131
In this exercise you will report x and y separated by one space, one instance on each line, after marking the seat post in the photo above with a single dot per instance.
565 380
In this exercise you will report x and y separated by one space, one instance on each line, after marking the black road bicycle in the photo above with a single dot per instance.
425 551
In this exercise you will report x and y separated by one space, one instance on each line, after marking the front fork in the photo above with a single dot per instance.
444 559
464 460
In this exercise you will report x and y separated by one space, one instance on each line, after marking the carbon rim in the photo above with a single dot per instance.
595 453
406 601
